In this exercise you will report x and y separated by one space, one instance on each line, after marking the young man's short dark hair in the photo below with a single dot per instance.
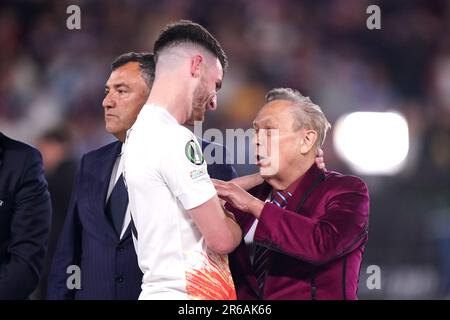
144 59
190 32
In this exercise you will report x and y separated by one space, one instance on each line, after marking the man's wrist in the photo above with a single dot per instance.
259 179
256 207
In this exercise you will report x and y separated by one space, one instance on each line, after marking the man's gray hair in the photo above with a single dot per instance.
306 113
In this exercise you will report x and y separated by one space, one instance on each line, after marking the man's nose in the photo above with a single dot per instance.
255 139
212 104
108 102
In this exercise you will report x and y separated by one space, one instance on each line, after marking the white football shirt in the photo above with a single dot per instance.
166 175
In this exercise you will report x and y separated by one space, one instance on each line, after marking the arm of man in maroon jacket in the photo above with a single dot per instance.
308 236
319 240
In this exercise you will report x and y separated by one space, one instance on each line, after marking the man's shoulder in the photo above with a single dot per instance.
158 131
17 149
176 136
345 181
102 151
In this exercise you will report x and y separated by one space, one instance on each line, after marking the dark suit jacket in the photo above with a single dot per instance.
317 241
109 268
25 217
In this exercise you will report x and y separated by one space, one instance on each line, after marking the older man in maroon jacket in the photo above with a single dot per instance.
304 229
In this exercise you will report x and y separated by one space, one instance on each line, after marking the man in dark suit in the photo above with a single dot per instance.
96 238
25 217
304 229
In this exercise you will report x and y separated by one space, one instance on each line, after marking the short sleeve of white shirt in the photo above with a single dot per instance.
185 171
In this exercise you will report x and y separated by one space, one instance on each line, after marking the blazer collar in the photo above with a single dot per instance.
310 180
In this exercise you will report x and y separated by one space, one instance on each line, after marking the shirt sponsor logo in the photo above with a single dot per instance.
197 173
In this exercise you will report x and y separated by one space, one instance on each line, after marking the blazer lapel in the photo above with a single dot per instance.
104 166
309 182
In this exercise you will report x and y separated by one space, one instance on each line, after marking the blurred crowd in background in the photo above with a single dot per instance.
52 84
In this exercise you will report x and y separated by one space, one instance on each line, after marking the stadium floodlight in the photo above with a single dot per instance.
372 143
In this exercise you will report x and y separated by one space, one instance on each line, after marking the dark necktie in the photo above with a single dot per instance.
261 259
117 205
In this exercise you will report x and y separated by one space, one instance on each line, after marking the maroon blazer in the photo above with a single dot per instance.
317 241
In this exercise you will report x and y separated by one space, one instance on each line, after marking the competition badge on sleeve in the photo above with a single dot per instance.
193 153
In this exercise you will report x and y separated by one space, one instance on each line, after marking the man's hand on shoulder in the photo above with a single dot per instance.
319 160
238 197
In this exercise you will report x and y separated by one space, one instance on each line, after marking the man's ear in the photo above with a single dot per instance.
196 63
308 141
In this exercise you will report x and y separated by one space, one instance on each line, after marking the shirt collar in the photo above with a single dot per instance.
122 149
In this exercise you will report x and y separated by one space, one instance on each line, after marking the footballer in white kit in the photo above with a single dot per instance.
166 175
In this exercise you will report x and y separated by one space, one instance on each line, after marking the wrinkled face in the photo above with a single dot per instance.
277 144
205 95
125 94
